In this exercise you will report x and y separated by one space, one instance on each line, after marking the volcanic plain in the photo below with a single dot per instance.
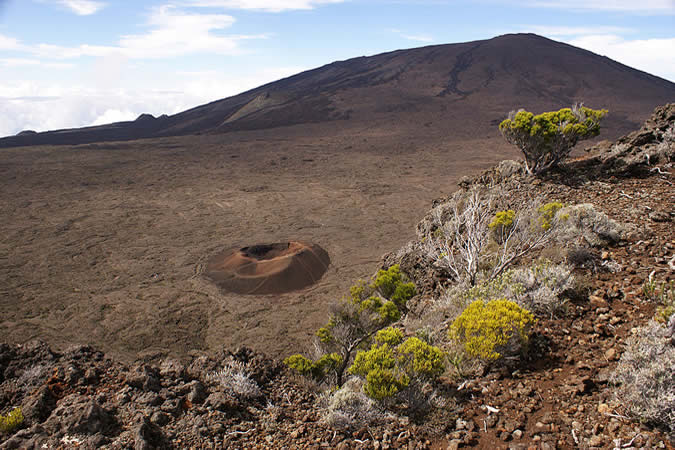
105 240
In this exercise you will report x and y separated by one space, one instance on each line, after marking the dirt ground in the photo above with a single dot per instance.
105 244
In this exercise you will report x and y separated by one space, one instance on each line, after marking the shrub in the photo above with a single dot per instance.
314 369
493 329
592 226
234 378
662 293
11 421
548 213
645 376
353 322
464 247
542 288
548 138
391 363
349 408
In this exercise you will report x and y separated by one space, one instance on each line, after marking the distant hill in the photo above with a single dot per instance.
442 88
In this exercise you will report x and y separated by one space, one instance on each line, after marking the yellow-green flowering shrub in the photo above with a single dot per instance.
315 369
391 363
354 321
548 138
548 213
490 330
11 421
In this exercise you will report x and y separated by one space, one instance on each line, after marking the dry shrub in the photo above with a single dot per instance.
349 408
234 378
645 376
584 222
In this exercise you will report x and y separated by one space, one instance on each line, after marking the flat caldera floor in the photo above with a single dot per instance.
106 244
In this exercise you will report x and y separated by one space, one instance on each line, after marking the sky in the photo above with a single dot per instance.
73 63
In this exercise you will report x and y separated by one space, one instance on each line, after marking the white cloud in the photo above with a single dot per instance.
260 5
172 33
418 37
175 32
82 7
114 115
32 105
8 43
411 37
641 7
655 56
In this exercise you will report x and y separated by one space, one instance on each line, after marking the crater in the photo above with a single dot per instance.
262 269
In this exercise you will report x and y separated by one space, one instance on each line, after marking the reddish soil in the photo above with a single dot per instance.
268 268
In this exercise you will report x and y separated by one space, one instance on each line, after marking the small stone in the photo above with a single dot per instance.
597 302
604 255
454 444
517 434
610 354
596 441
603 408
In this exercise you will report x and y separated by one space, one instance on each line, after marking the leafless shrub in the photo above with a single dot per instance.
473 244
349 408
234 378
645 376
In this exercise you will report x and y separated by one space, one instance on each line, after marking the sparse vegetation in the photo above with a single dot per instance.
11 421
548 138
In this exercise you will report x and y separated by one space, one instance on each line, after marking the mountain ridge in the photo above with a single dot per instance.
481 79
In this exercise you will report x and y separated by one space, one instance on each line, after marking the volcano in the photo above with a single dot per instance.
439 88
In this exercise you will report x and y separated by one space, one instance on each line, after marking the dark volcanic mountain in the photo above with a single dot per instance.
441 87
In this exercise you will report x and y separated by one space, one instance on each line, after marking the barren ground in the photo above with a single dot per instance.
104 244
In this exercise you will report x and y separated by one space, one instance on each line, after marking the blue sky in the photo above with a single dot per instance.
72 63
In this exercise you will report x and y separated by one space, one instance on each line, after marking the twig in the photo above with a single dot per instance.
485 425
618 416
402 433
239 432
491 409
360 441
660 172
622 193
574 436
631 441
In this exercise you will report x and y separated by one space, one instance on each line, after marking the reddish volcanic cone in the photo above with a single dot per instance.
268 268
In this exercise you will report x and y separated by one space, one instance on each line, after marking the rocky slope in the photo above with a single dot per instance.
558 398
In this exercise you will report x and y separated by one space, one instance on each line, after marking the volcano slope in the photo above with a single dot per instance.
442 88
107 243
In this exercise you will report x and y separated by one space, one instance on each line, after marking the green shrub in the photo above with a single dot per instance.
548 138
354 321
548 213
315 369
490 330
11 421
391 363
